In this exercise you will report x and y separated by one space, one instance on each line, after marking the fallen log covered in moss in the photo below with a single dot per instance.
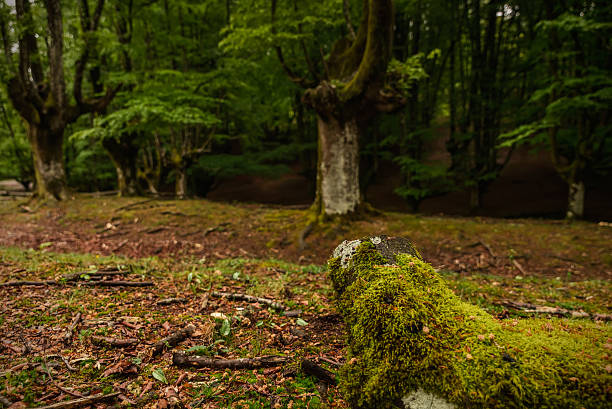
413 343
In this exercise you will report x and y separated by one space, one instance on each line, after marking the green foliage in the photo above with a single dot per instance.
423 180
437 343
404 74
158 374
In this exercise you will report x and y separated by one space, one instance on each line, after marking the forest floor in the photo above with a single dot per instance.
177 255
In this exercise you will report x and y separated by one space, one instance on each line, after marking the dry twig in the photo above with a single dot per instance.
173 339
114 342
180 359
251 299
68 333
82 402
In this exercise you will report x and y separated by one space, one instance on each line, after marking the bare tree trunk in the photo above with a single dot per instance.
181 183
338 173
575 203
48 162
123 155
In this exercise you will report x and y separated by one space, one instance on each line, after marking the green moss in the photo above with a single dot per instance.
407 330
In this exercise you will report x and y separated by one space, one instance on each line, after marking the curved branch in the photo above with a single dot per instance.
377 51
56 53
347 18
302 82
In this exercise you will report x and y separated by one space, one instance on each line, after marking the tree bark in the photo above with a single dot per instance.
344 108
181 183
48 161
575 204
338 169
123 154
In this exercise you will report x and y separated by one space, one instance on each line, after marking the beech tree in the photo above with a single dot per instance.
353 91
36 82
346 86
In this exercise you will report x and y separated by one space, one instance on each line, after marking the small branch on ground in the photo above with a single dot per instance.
92 283
82 402
101 283
120 245
129 206
519 266
250 298
113 342
68 334
67 363
79 276
172 300
219 227
61 388
486 246
25 283
311 368
173 339
558 311
154 230
180 359
330 361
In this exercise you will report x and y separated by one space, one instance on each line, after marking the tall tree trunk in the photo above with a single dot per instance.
575 203
338 169
48 162
360 65
123 154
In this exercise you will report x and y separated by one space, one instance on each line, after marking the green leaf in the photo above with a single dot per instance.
159 375
225 328
301 322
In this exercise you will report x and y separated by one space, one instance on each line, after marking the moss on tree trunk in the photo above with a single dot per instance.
345 102
411 340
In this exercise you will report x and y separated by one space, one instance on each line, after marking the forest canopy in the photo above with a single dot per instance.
151 97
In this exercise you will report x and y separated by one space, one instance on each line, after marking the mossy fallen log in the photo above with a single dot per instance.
413 343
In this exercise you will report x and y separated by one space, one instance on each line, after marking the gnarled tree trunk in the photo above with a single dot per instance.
39 95
48 159
346 101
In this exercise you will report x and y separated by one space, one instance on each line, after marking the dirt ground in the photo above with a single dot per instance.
149 227
179 255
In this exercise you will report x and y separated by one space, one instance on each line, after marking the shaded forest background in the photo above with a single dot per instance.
490 107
